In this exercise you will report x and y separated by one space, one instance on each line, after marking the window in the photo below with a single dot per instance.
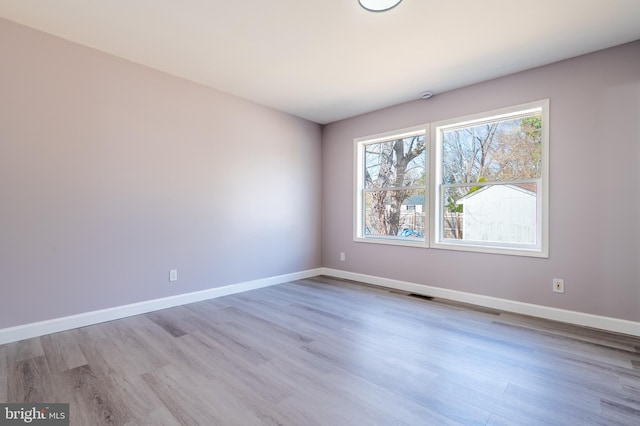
476 183
391 187
490 176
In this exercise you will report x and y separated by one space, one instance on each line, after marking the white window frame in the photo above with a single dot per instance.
436 239
358 209
433 188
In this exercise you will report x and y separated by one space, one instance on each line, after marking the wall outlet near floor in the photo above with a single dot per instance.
342 256
173 275
558 285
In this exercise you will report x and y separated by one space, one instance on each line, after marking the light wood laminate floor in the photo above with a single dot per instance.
323 351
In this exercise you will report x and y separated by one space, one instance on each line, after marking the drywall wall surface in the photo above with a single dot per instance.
594 190
111 174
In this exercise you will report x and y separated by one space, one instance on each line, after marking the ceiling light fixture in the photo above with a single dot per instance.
379 5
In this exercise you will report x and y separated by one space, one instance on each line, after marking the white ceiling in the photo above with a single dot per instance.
326 60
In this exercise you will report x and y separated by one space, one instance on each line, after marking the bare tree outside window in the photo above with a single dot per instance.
473 157
476 183
394 172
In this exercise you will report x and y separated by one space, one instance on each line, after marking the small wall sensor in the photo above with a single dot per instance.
426 95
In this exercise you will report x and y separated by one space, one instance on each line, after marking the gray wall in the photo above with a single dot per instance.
594 190
112 173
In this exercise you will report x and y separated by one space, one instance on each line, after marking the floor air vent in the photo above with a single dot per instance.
420 296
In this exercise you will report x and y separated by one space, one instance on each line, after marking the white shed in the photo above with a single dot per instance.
500 213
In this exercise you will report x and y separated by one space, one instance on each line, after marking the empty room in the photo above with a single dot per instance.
339 212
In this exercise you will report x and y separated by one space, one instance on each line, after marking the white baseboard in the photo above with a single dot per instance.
56 325
571 317
27 331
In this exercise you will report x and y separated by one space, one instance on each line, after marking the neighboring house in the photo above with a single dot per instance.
505 213
411 215
414 202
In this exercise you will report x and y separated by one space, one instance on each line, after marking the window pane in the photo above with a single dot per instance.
400 162
398 213
491 213
500 150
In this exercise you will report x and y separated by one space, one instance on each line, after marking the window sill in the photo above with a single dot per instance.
488 249
390 241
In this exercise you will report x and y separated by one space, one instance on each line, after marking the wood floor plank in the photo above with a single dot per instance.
171 320
199 405
226 336
553 406
62 351
619 413
29 380
241 374
304 374
159 417
24 349
91 400
126 352
324 351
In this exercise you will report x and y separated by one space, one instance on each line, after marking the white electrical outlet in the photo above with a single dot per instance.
173 275
558 285
342 256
